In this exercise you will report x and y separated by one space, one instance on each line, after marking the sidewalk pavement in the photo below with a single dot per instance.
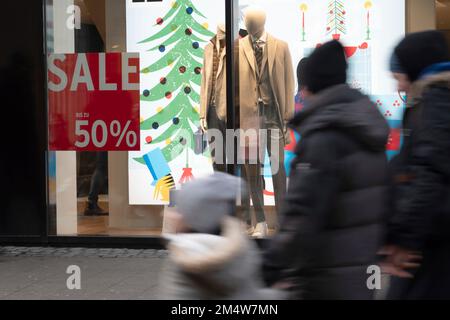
106 274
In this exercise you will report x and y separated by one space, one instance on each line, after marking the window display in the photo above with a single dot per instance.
88 191
172 52
180 131
266 82
368 30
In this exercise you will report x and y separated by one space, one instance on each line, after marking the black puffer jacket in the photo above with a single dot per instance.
333 220
421 219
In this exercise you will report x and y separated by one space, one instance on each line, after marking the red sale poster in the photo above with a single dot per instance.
93 102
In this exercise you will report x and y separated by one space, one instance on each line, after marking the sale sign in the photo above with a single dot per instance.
93 102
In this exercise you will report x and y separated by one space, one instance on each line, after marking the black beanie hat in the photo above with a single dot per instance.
325 67
300 73
417 51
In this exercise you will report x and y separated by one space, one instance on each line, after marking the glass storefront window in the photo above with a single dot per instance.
113 169
105 176
275 36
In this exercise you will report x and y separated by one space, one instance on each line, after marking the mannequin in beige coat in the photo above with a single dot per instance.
266 102
213 97
280 69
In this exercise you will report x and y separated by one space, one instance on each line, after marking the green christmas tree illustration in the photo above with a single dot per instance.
336 19
182 52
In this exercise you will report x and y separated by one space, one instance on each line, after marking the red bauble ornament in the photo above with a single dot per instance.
160 21
168 95
148 139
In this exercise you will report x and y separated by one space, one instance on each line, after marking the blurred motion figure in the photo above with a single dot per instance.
418 250
211 256
334 216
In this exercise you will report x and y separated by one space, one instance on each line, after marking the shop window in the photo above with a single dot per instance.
98 186
165 62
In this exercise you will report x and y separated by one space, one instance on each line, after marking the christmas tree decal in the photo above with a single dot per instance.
173 125
336 19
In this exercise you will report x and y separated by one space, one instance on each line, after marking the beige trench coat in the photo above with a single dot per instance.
281 79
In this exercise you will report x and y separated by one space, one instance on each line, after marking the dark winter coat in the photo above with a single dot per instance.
333 220
421 212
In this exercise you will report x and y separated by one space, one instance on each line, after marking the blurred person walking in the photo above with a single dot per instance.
211 256
418 250
334 215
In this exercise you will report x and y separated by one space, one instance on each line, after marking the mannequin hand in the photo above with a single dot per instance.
203 125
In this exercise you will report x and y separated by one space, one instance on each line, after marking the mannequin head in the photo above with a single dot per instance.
221 31
255 21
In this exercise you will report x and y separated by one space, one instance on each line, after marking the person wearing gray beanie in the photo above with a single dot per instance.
205 264
205 202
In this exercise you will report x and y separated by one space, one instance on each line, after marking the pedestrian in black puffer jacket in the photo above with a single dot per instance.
420 223
334 216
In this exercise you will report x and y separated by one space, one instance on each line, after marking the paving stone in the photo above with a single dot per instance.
12 251
36 278
133 252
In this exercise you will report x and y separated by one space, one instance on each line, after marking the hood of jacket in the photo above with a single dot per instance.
344 109
229 260
438 74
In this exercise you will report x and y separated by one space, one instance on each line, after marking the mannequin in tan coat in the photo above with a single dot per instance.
267 93
213 97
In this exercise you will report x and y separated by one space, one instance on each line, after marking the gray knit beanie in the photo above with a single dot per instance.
205 202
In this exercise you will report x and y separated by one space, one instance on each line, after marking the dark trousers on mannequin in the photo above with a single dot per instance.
253 173
99 177
215 123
